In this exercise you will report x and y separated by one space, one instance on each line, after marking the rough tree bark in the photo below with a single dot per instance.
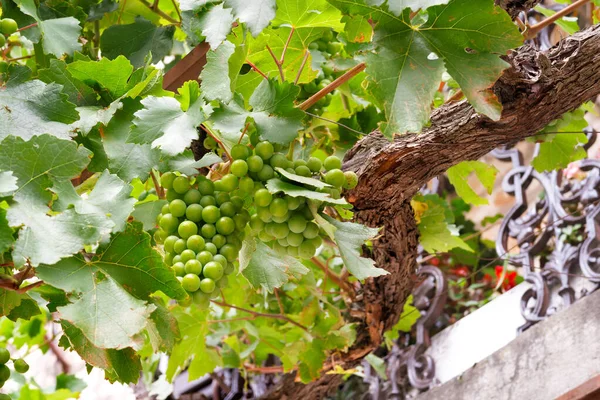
514 7
536 89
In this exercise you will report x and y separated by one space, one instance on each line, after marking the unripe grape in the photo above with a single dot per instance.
4 373
211 214
210 143
299 163
195 243
212 249
193 266
168 223
178 268
218 240
4 356
187 229
225 226
187 255
229 251
220 258
206 186
238 203
264 150
160 236
295 239
303 170
264 214
294 202
169 242
351 180
292 251
179 246
213 270
166 180
278 207
278 160
181 184
256 224
228 209
207 285
297 223
21 366
264 236
229 269
177 208
335 177
8 26
176 259
165 209
191 282
255 163
208 231
306 250
266 173
204 257
262 197
208 201
192 196
239 168
229 182
194 212
240 152
172 195
246 184
311 231
332 162
283 242
280 231
169 258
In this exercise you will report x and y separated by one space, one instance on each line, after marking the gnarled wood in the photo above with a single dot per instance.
536 89
514 7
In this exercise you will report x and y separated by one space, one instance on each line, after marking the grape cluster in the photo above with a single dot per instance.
7 27
18 364
202 229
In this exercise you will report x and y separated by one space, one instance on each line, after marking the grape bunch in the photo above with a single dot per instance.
7 27
19 365
201 229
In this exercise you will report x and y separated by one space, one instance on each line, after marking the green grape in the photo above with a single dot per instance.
187 229
266 173
195 243
211 214
178 268
208 231
240 221
291 170
335 193
264 214
225 226
335 177
3 69
283 242
278 207
208 201
294 202
229 251
188 300
240 152
8 26
316 241
295 239
219 258
187 255
206 187
193 266
213 270
201 299
239 168
262 198
212 249
194 212
207 285
278 160
306 250
209 143
4 356
264 150
351 180
228 209
230 182
307 213
303 170
166 180
169 242
169 258
160 236
281 219
230 268
264 236
179 246
20 366
191 282
292 251
181 184
222 197
311 231
176 259
297 223
246 184
165 209
255 163
219 186
299 163
193 196
256 224
172 195
222 283
238 203
177 208
332 162
218 240
4 373
280 231
279 248
204 257
169 223
143 196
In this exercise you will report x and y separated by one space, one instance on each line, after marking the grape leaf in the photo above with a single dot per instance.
78 92
109 76
256 15
128 257
264 267
406 67
186 164
350 238
410 315
561 150
305 15
193 5
90 116
59 36
164 124
147 212
33 108
302 179
275 186
6 233
108 316
459 175
435 235
213 24
25 310
216 84
136 40
8 183
118 365
397 6
9 300
109 199
162 328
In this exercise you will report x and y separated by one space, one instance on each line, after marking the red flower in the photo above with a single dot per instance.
461 270
510 280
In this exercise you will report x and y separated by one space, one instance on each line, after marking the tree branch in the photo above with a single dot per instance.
514 7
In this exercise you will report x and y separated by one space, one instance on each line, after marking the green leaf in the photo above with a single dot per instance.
561 150
186 164
263 267
304 16
71 382
164 124
147 212
256 15
378 365
136 40
78 92
459 175
162 329
435 235
410 315
215 82
109 199
128 258
118 365
108 76
8 183
90 116
59 36
275 186
350 238
27 309
34 108
214 25
9 300
6 233
311 361
405 68
108 315
302 179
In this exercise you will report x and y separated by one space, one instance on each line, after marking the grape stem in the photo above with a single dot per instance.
279 62
274 369
243 133
159 190
212 135
160 12
281 309
533 30
344 285
254 67
259 314
306 54
351 73
27 27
